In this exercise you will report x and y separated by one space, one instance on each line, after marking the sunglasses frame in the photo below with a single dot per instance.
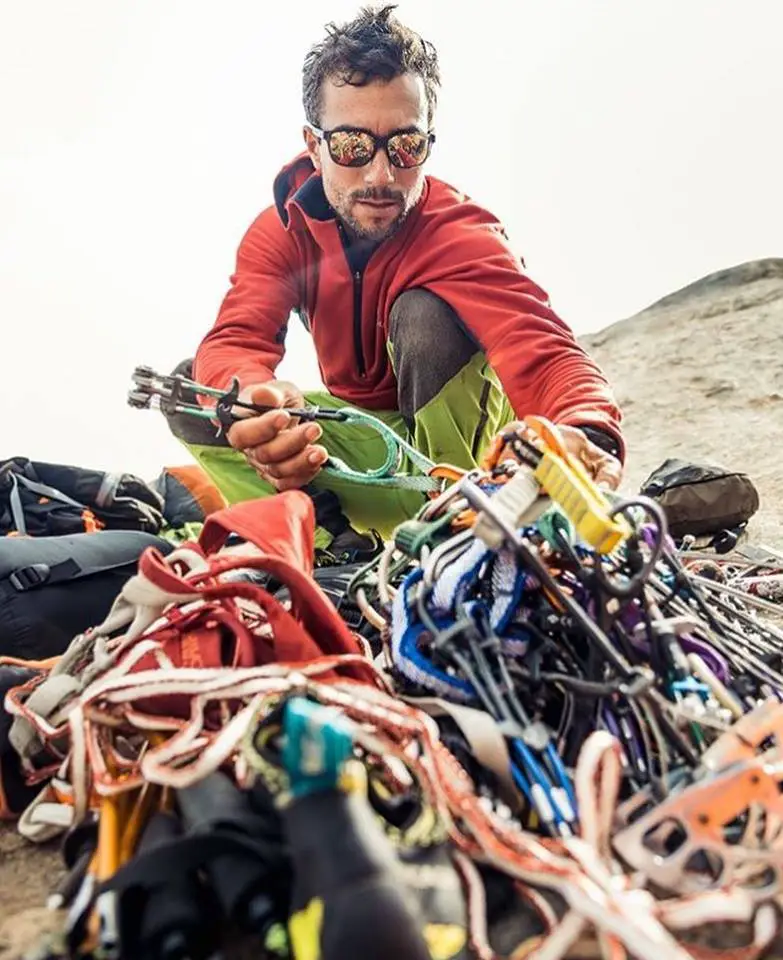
378 143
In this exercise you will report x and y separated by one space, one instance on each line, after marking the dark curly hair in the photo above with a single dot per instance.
373 46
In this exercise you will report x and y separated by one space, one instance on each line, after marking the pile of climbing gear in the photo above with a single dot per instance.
546 732
750 570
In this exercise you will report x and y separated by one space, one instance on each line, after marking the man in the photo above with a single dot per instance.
418 309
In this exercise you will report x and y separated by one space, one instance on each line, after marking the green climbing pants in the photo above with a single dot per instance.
451 404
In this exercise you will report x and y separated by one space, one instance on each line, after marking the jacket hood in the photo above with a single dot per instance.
298 182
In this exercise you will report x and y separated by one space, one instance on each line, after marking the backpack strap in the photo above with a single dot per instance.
42 489
46 562
108 489
40 574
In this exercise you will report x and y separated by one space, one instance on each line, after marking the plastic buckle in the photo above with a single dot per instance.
28 578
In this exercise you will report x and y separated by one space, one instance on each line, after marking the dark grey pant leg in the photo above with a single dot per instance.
429 347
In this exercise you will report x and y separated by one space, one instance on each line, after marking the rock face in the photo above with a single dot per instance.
699 376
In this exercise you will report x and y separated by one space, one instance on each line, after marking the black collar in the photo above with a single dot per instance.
312 199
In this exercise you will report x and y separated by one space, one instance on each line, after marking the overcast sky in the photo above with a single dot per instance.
631 146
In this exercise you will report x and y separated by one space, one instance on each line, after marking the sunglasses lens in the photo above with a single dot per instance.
408 149
351 148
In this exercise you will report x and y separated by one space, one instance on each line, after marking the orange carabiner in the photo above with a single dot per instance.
445 471
492 454
546 430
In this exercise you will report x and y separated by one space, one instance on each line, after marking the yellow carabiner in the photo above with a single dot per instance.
567 482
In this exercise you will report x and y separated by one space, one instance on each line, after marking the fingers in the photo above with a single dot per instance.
277 393
293 473
288 444
602 467
258 430
273 393
282 454
609 474
276 445
271 438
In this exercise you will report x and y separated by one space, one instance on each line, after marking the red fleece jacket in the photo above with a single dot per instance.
292 258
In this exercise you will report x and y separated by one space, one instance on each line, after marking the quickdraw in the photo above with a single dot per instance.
179 395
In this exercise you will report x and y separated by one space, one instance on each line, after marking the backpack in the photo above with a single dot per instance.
188 495
701 499
46 499
53 588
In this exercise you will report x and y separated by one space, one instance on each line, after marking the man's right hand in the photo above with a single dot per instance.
281 450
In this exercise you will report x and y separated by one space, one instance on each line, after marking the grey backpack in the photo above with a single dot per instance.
701 499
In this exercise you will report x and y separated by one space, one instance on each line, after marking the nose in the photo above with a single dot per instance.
379 172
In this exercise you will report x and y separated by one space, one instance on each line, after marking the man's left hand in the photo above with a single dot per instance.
605 470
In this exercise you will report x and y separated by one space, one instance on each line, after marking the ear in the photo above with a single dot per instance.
313 145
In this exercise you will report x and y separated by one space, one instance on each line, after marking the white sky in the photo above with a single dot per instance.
630 146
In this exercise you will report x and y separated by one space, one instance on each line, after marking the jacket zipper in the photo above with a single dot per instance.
357 323
357 306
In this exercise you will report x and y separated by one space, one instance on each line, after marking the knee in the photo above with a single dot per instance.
429 347
421 324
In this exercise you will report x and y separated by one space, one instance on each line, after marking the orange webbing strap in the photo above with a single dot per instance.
47 664
91 523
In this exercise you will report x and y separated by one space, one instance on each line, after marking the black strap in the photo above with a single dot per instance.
602 438
39 574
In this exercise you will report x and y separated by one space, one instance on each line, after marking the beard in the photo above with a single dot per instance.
363 231
344 206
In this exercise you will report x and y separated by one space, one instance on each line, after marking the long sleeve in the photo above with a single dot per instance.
248 338
542 367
